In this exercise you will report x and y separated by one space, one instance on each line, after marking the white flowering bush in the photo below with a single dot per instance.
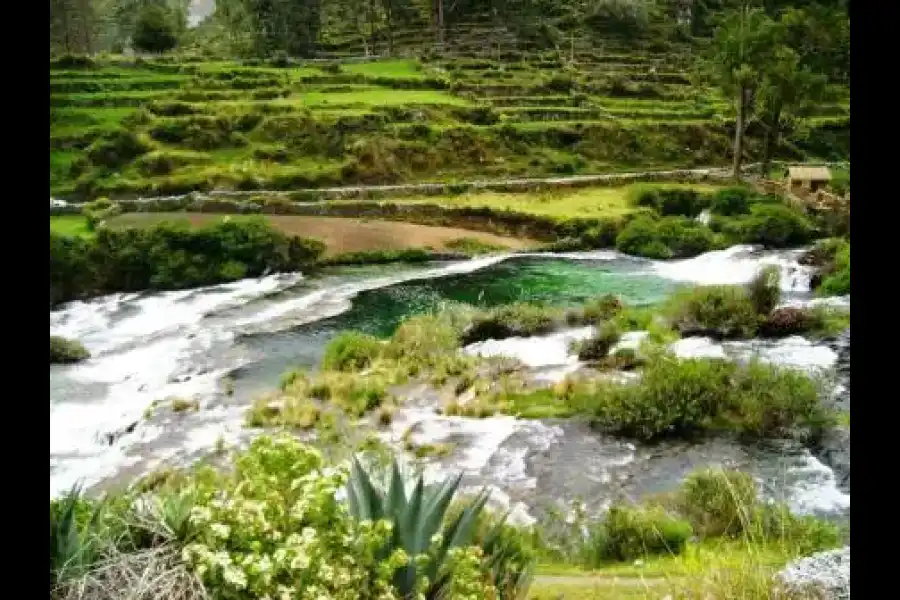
275 529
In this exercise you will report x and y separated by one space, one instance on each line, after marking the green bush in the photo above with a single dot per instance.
774 226
718 502
666 237
672 398
154 30
172 256
601 309
771 401
836 281
803 535
351 351
786 321
637 532
117 149
681 397
598 345
732 201
720 311
669 202
512 320
63 351
764 290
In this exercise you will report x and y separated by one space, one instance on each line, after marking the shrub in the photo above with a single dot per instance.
636 532
598 345
512 320
63 351
623 359
802 535
836 281
154 30
667 237
172 256
601 309
731 201
774 226
764 290
787 321
681 397
351 351
718 502
117 149
720 311
672 398
669 202
770 401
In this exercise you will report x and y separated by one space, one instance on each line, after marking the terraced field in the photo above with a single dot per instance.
155 127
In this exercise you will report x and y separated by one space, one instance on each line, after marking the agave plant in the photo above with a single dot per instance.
420 516
74 547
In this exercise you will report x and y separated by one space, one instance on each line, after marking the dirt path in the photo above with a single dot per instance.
346 234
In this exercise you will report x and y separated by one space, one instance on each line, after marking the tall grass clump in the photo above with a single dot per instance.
720 311
512 320
351 351
676 398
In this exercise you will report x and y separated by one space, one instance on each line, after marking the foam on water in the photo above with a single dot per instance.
737 265
814 489
147 347
330 302
549 350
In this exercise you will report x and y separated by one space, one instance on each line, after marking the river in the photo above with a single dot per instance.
151 346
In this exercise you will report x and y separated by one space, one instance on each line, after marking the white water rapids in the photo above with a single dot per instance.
147 347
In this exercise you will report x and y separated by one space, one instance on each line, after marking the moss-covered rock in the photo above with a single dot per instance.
64 351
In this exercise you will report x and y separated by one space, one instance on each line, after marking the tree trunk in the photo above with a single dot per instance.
770 142
440 21
739 132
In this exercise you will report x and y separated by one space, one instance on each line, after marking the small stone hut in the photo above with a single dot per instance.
807 178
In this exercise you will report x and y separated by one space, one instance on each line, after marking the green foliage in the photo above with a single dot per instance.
600 309
117 149
681 397
472 246
597 346
74 544
668 202
171 256
718 502
732 201
721 311
764 290
511 320
666 237
154 30
635 532
725 502
773 226
836 281
351 351
418 514
63 351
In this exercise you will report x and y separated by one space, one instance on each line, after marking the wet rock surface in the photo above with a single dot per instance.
825 575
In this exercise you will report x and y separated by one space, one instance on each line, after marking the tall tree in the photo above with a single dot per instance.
739 55
787 90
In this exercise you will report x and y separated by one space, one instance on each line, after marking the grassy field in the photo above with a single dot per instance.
74 226
122 128
586 202
340 235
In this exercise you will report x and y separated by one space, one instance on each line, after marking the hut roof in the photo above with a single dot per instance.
809 173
